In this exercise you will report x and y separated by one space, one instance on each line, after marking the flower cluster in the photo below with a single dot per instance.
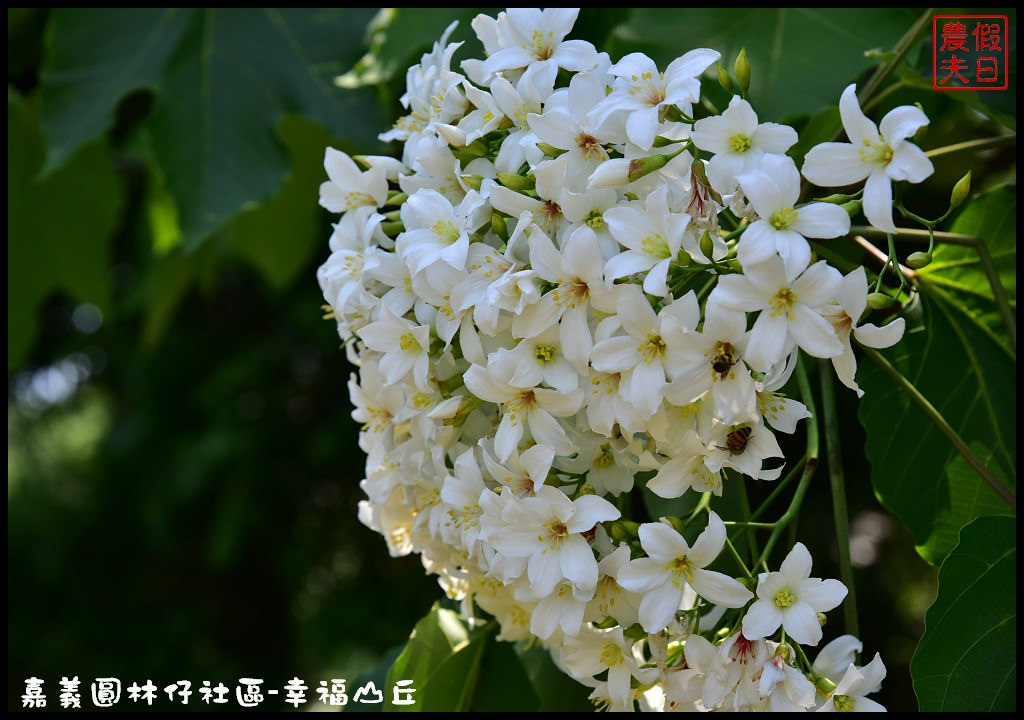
585 296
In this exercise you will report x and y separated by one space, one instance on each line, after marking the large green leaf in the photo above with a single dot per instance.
967 659
442 659
503 685
958 270
557 691
58 228
223 80
801 58
955 353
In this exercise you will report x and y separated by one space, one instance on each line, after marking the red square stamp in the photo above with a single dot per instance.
970 52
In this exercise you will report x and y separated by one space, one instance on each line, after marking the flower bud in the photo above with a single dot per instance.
498 226
676 523
623 530
918 260
707 245
879 301
783 651
586 489
451 134
550 150
638 167
734 265
608 622
742 70
852 207
723 78
472 181
611 174
392 229
396 198
822 619
517 182
960 191
837 199
825 686
635 632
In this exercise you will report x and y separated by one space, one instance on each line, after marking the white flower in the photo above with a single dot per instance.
879 153
852 689
738 142
782 228
518 103
522 473
653 237
744 447
546 528
788 689
688 469
437 231
671 564
643 354
644 93
792 599
846 315
524 406
404 347
531 36
348 188
595 651
788 310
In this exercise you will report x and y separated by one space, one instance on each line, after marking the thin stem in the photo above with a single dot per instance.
746 524
902 48
874 102
739 561
942 238
936 417
839 512
974 145
997 291
809 467
745 509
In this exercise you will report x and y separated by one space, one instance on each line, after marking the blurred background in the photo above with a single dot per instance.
182 468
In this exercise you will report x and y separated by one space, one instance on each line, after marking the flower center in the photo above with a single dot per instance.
590 146
595 220
681 568
557 530
650 89
843 703
521 403
544 353
782 219
408 342
740 143
783 302
541 47
446 231
878 152
611 655
656 245
784 598
421 400
605 459
653 348
357 199
723 360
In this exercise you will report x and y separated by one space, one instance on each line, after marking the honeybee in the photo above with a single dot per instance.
736 441
723 361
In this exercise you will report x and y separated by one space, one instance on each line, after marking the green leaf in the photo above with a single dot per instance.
969 378
801 58
967 659
413 30
223 80
442 658
82 200
503 685
557 691
957 270
279 236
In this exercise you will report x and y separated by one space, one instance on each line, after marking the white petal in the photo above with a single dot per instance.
835 165
635 312
647 387
545 429
558 403
836 656
762 620
821 220
615 355
757 244
767 341
507 437
822 595
724 169
813 333
909 163
902 122
712 134
819 285
643 575
774 138
878 201
544 572
576 560
858 127
655 281
794 251
588 511
575 55
763 192
720 589
854 295
709 543
659 606
801 623
662 542
673 479
797 566
737 292
880 337
628 263
641 126
845 366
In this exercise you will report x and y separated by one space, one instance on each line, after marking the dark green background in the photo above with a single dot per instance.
186 507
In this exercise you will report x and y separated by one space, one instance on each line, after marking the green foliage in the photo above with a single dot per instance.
456 669
223 79
57 226
967 658
954 358
787 47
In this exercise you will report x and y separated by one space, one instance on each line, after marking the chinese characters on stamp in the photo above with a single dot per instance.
970 52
